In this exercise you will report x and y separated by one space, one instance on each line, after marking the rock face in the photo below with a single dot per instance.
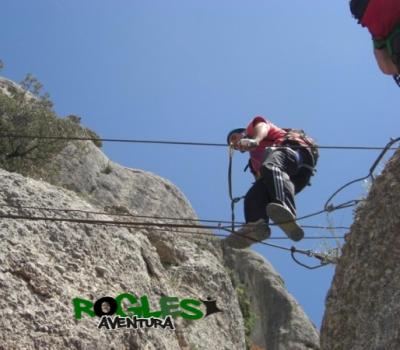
6 86
363 305
44 264
84 169
285 326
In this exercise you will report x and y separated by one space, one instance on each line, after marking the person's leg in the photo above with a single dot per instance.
255 202
301 180
256 228
280 164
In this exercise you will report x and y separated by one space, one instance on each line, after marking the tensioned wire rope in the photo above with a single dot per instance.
324 260
155 227
185 143
327 208
128 224
166 142
218 225
111 213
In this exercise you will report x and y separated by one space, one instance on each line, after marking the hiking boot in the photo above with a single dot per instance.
281 215
252 232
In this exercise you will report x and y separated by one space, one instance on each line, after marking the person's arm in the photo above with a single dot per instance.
261 131
385 62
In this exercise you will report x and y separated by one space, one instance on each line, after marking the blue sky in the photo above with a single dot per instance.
191 71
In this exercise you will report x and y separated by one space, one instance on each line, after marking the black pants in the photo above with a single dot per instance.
282 176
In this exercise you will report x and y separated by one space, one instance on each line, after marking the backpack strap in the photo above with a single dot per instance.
297 137
304 160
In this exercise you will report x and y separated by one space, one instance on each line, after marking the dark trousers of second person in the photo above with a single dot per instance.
282 175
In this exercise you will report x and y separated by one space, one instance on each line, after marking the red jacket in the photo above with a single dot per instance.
381 17
275 137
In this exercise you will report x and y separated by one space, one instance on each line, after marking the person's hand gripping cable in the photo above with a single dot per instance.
246 144
242 143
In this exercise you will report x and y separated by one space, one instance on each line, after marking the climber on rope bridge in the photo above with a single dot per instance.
282 162
382 18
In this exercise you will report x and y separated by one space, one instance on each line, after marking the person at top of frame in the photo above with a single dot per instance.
382 18
282 161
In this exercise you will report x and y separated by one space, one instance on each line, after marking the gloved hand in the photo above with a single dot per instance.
246 144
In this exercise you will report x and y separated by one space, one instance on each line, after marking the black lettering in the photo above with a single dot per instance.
113 322
121 322
103 323
131 322
168 322
157 322
98 306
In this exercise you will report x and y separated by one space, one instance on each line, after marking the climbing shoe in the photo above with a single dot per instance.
281 215
250 233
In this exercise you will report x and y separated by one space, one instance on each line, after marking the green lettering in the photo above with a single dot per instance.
194 313
130 310
170 306
82 306
146 308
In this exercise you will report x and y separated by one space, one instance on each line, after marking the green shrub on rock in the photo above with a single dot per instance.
29 129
